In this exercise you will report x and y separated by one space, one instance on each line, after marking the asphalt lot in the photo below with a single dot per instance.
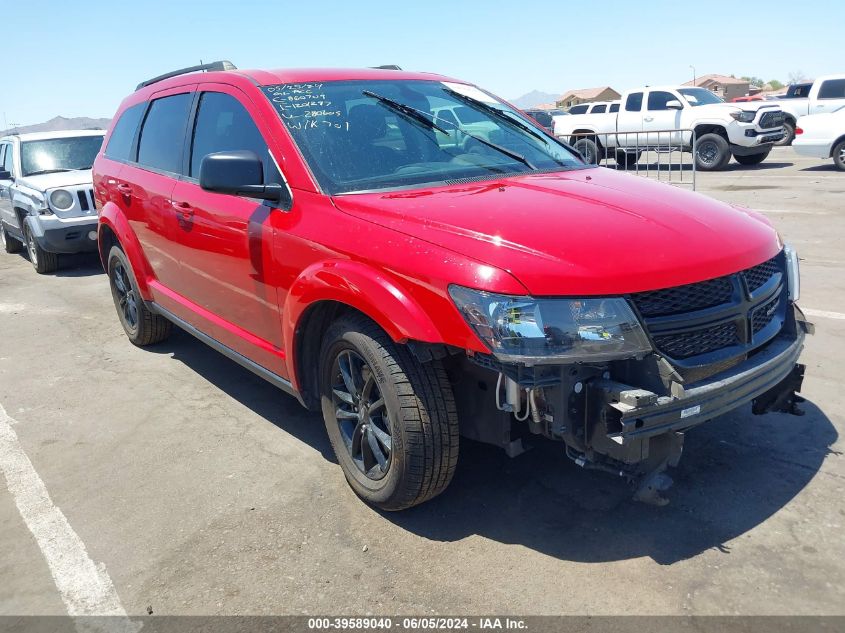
199 489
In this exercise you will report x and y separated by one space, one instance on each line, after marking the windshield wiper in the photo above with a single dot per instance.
499 114
428 121
412 113
41 172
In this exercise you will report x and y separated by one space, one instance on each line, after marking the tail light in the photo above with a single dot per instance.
798 131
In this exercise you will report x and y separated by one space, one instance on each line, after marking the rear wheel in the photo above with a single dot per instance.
788 134
9 243
391 420
839 155
752 159
712 153
43 261
589 150
142 326
627 159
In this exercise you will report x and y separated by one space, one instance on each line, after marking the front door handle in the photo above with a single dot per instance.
648 119
184 209
125 189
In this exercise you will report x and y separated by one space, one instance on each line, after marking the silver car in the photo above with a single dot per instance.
46 196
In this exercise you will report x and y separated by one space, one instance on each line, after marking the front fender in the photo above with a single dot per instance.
371 291
112 218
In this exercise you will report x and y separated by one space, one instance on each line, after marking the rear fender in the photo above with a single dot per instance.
368 290
112 217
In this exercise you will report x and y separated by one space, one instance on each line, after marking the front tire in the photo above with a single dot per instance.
142 326
391 419
10 244
839 155
788 134
712 153
43 261
752 159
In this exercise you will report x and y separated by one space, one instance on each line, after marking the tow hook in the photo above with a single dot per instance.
782 397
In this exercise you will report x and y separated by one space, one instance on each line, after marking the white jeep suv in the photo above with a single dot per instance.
46 196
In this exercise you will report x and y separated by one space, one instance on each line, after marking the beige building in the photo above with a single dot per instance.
722 86
587 95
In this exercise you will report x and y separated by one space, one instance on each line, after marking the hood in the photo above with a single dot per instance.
582 232
59 179
751 106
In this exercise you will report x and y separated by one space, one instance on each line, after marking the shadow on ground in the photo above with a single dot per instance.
736 472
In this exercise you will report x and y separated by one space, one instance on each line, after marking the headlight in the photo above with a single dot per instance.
531 331
744 116
793 276
61 199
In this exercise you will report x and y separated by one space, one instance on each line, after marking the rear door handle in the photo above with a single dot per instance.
649 119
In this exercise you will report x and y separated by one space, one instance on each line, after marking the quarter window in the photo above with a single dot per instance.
163 134
634 102
832 89
120 141
223 125
614 107
599 109
578 109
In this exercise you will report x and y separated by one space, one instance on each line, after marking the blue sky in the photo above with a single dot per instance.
78 58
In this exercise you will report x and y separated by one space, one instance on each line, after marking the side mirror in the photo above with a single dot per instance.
239 173
674 104
4 175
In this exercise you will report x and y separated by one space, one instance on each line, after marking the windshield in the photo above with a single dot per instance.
373 135
59 154
699 96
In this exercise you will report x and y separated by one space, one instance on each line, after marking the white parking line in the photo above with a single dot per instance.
824 314
85 588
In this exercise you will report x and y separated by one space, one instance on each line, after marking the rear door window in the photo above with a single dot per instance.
163 133
634 102
123 134
832 89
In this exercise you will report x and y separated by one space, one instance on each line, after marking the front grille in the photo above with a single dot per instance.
758 275
763 315
712 321
684 298
699 341
771 119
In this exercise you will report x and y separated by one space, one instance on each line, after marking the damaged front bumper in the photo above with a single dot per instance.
767 377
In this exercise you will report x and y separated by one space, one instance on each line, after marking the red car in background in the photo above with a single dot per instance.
414 258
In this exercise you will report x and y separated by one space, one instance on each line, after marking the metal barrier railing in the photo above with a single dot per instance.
666 155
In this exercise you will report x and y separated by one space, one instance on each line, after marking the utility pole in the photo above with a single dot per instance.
693 74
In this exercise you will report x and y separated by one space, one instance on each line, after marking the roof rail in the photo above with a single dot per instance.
221 65
387 67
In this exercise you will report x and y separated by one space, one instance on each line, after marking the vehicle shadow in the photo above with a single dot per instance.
736 472
79 265
830 167
264 399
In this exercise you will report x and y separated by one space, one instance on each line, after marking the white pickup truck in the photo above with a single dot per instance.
648 117
826 95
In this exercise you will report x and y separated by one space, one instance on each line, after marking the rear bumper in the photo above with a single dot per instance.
753 378
818 149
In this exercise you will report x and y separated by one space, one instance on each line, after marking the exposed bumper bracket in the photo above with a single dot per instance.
782 397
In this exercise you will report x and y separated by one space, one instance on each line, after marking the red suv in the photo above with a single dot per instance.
416 259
